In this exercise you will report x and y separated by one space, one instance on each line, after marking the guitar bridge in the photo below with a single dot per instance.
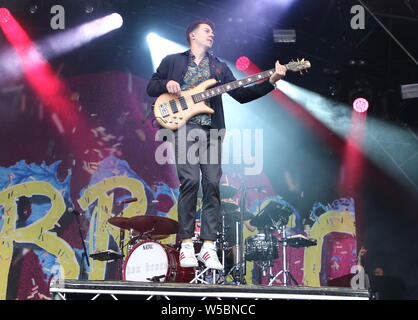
164 110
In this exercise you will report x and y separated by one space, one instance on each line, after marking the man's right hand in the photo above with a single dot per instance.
173 87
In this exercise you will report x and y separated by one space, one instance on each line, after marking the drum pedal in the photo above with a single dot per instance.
157 278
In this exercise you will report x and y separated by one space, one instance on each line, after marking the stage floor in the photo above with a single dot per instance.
118 290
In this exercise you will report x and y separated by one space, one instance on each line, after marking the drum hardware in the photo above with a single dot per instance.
299 241
106 255
223 243
296 241
229 207
287 275
238 270
274 217
227 191
156 278
203 274
84 255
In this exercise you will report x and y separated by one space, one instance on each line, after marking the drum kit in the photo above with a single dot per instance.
148 259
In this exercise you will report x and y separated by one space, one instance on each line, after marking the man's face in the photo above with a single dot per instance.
204 35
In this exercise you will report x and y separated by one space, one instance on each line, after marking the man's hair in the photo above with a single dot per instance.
195 24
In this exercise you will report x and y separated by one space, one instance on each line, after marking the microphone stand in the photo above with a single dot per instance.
84 255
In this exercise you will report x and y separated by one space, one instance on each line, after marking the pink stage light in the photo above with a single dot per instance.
242 63
53 92
4 15
360 105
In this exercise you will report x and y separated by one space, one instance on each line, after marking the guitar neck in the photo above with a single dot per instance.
231 86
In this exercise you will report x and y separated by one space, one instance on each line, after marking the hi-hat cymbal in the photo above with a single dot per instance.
228 206
227 191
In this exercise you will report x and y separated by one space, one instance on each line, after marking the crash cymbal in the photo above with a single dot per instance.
120 222
153 225
228 206
227 191
157 227
151 236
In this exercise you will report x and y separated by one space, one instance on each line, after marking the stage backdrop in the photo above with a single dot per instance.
59 186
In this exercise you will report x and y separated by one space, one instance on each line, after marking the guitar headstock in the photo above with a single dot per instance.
298 65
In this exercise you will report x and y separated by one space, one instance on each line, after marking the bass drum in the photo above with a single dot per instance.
151 261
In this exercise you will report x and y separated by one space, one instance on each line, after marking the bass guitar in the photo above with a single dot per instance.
173 111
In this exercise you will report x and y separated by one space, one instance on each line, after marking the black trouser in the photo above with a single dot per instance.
206 158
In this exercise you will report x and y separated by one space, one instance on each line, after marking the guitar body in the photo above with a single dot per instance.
184 105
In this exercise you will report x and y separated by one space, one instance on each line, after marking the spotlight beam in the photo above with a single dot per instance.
56 45
52 91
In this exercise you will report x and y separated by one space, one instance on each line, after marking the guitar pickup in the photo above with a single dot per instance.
173 106
183 103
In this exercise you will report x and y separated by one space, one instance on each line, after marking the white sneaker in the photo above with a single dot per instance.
187 256
209 256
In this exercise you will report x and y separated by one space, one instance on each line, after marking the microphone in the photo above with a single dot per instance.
129 200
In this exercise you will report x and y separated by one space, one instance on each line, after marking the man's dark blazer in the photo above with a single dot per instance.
174 67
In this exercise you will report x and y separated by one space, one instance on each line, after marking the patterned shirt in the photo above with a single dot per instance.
194 76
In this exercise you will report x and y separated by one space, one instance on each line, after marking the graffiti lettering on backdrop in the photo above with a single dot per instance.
36 229
333 226
40 239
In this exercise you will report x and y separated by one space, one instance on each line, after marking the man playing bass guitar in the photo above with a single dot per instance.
183 71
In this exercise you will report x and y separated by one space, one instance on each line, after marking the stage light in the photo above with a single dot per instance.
115 20
284 36
409 91
76 37
242 63
360 105
4 15
88 9
33 9
360 98
54 45
90 6
160 47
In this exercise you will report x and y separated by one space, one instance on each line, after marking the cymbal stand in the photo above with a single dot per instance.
287 275
224 246
239 269
83 271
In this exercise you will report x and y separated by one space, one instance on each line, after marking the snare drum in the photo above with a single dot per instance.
153 261
261 247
